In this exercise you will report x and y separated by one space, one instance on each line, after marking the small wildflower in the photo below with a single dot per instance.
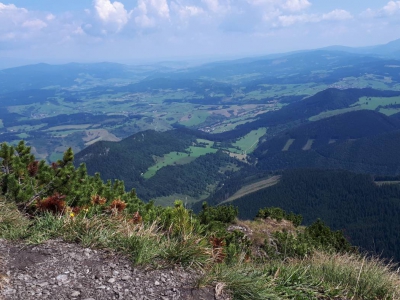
72 215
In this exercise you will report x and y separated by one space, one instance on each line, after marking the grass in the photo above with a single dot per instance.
288 144
23 135
170 200
248 143
195 118
69 127
55 156
232 124
308 145
390 182
13 224
280 90
318 276
179 158
331 113
321 276
370 103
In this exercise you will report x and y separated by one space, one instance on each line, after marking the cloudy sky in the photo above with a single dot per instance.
58 31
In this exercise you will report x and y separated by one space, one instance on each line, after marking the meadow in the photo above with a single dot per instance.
385 105
180 158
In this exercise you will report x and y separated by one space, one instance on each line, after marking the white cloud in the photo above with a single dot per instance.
186 11
18 23
296 5
219 7
35 24
264 2
212 5
149 13
337 15
288 20
160 7
50 17
368 13
270 15
391 8
10 8
145 21
112 13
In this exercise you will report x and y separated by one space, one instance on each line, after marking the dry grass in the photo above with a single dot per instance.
260 230
12 223
355 276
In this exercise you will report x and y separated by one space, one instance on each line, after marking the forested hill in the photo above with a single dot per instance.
301 111
368 214
374 155
364 141
159 164
131 157
352 125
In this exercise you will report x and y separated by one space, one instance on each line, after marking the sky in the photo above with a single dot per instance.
135 31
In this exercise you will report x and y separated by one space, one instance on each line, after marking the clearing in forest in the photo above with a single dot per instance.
254 187
308 145
248 143
288 144
180 158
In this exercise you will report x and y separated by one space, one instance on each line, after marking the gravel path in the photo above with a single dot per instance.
57 270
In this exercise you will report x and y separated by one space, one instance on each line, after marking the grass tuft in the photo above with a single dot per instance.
13 225
359 277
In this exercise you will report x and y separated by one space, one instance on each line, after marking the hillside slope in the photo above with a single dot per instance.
367 213
358 141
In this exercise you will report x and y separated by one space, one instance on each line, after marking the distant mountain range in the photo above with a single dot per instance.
389 50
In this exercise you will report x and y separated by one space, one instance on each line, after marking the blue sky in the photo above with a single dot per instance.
131 31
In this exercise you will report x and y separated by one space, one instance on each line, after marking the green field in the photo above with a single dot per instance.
23 135
382 104
195 118
55 156
180 158
231 125
281 90
169 200
69 127
308 145
249 142
288 144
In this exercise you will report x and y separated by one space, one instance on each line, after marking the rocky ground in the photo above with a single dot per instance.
57 270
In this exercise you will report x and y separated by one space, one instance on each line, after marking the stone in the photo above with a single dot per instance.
62 278
75 294
111 280
116 278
